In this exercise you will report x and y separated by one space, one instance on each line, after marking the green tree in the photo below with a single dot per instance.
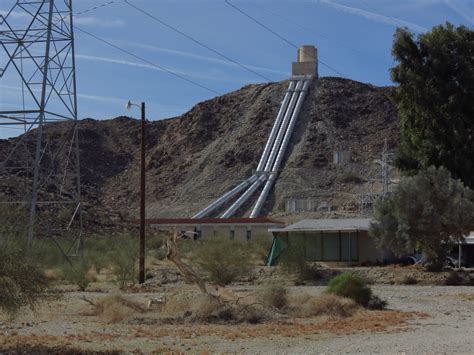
22 282
430 211
435 99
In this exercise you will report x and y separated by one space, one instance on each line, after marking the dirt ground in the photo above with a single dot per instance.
419 318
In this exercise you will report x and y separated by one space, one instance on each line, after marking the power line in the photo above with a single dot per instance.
277 34
146 13
146 61
307 29
95 8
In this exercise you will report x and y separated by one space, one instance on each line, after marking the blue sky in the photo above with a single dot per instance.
352 36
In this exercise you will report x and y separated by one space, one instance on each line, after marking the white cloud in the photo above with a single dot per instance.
98 98
203 58
372 16
218 77
14 14
98 22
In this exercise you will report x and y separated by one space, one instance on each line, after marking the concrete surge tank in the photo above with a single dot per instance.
307 63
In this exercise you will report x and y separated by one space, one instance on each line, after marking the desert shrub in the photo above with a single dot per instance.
347 176
376 303
454 279
324 305
350 286
22 282
187 307
261 245
77 273
408 280
155 241
96 252
99 260
116 308
293 260
223 260
47 253
123 259
275 296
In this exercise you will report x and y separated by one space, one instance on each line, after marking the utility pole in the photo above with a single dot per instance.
141 261
141 277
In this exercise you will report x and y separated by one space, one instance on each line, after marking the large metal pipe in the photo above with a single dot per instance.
276 126
263 196
284 124
224 198
274 150
281 152
241 200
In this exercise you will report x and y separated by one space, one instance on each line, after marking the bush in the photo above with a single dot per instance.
204 308
123 259
408 280
275 296
324 305
261 245
350 286
376 303
77 273
22 282
347 177
116 308
454 279
293 260
223 259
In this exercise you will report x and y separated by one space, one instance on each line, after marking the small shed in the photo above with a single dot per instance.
327 240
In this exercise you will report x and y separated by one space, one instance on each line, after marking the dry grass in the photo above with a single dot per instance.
199 308
275 296
306 306
116 309
467 297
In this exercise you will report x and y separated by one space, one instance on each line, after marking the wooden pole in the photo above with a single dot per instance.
141 276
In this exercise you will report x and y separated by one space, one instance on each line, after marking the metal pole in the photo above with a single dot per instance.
76 137
141 276
459 255
41 118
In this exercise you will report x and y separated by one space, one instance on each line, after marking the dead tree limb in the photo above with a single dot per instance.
173 256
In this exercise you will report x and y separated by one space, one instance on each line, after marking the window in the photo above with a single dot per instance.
349 247
320 246
331 247
249 234
232 234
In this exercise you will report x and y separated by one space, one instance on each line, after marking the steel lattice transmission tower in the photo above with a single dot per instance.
40 172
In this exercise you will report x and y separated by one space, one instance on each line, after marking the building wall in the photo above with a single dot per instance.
213 230
367 249
333 246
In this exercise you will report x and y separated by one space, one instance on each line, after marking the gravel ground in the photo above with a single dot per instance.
448 327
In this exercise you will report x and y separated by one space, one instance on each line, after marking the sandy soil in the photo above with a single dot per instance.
420 319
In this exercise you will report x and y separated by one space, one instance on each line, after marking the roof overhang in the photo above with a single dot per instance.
326 225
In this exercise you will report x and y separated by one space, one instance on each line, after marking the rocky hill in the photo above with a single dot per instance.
194 158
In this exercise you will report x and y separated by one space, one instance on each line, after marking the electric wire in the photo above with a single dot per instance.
261 24
110 44
95 7
342 44
200 43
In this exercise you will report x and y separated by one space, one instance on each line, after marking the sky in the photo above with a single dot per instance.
353 37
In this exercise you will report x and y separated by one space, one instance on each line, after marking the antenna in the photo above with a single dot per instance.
41 169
